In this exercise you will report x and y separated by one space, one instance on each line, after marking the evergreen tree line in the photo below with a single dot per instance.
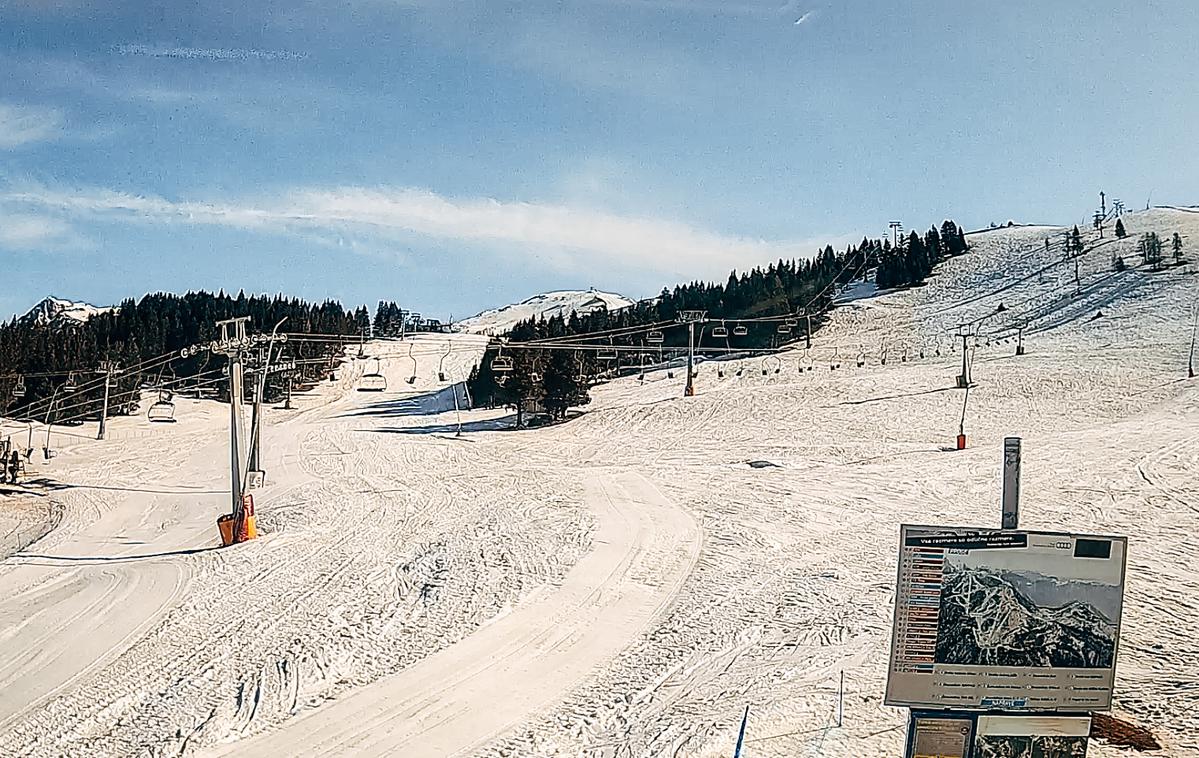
389 320
554 380
137 331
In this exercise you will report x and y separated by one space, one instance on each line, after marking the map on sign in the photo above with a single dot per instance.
945 734
1034 737
940 736
1005 619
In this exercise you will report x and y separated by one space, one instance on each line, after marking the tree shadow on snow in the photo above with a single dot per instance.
424 404
485 425
39 559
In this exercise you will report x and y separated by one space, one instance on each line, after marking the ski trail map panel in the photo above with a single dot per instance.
1013 620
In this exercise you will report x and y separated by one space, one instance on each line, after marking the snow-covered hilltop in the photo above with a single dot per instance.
55 311
547 305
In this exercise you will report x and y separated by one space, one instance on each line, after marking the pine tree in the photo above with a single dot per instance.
1120 233
1176 247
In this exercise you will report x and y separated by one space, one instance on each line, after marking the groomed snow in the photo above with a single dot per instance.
622 585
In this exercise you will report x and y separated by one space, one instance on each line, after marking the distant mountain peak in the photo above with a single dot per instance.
546 305
55 311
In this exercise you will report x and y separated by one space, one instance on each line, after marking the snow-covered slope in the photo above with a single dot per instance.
624 584
55 311
560 303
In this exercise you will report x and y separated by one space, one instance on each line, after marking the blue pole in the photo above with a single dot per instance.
741 735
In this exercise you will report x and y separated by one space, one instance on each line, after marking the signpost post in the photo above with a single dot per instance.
1011 483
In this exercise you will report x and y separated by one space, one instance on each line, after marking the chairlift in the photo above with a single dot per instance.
71 384
784 328
373 381
740 331
162 411
655 337
18 389
720 332
608 354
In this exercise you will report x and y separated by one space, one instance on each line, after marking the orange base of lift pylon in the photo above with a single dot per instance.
961 442
225 525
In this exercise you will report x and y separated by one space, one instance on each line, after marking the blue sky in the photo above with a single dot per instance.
457 155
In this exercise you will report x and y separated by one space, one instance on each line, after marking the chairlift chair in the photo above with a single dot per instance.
608 354
18 389
162 411
373 381
655 337
784 328
71 385
720 332
740 331
501 364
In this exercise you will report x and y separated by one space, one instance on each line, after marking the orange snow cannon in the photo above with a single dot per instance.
229 524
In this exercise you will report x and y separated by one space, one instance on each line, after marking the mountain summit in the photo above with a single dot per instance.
56 312
559 303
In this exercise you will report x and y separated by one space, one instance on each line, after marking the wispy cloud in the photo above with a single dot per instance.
805 18
565 237
25 124
23 232
209 53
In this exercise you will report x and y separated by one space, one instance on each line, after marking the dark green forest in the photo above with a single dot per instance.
555 378
54 369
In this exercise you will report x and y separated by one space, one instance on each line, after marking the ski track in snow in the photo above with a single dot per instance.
622 585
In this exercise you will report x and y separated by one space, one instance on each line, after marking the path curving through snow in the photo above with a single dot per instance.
521 663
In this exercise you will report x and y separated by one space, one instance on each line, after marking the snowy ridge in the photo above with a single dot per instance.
559 303
56 311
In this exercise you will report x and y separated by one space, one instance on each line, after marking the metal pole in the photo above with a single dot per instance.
104 408
741 734
49 412
808 334
690 391
1011 483
255 463
235 399
457 410
965 362
841 700
1191 356
256 411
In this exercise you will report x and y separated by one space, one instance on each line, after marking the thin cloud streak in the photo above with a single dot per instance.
568 238
209 54
35 233
23 125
